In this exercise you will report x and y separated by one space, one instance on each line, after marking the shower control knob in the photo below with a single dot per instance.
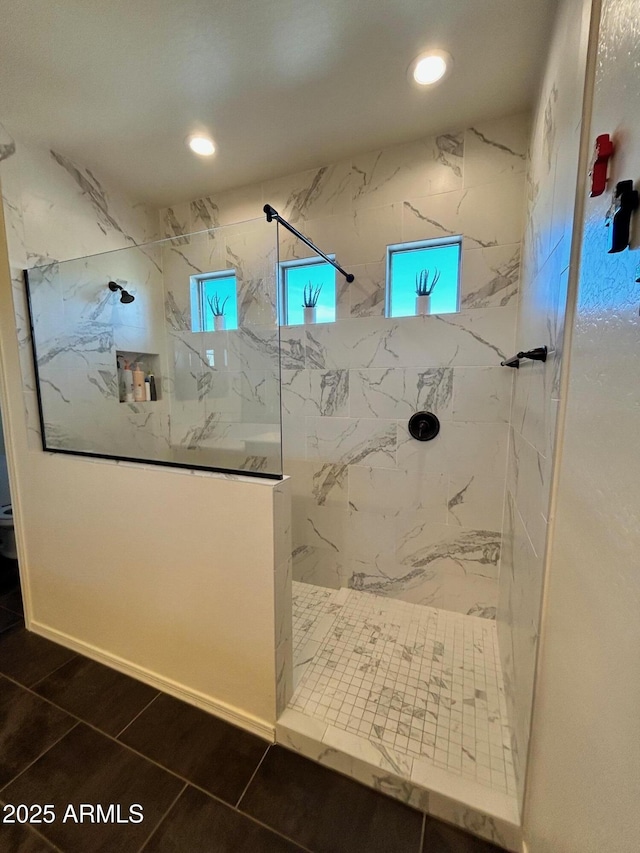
424 426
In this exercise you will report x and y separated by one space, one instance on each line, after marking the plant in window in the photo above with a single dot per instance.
424 289
310 300
311 295
217 309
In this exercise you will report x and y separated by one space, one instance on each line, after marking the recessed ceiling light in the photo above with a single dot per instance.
201 145
430 67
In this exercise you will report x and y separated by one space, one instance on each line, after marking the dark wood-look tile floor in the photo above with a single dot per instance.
325 811
73 731
8 619
12 600
101 696
27 658
10 608
22 839
210 753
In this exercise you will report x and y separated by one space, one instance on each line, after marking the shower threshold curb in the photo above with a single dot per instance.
489 814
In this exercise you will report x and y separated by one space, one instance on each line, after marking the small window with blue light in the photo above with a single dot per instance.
428 269
307 283
214 295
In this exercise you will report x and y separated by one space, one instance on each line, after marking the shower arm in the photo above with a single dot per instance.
272 214
535 354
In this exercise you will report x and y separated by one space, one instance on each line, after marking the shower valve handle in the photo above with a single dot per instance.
424 426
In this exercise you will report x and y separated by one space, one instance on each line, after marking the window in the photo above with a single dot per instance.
295 276
405 263
213 291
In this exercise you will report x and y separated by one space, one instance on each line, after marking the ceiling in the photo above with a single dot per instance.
281 85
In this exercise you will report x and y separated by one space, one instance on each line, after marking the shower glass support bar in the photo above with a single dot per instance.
272 214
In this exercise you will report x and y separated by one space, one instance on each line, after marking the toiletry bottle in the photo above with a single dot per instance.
138 384
152 386
147 389
121 389
128 382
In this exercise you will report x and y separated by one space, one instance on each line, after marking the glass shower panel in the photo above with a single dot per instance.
202 321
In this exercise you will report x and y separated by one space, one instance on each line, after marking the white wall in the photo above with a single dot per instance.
167 574
584 775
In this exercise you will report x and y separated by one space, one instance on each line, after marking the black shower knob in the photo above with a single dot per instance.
424 426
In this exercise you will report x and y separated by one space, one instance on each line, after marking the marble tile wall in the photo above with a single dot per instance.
551 188
283 593
372 508
55 210
79 326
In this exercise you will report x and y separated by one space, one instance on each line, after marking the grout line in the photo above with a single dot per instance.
44 677
252 776
275 832
271 829
250 817
162 818
423 831
31 829
10 592
12 624
150 702
31 763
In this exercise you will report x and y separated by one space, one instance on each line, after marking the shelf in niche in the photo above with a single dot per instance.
150 362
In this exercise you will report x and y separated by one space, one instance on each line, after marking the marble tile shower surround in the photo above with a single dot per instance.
284 628
373 509
551 187
7 145
56 209
473 180
219 392
78 327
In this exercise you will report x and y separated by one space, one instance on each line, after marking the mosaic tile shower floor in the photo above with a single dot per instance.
424 682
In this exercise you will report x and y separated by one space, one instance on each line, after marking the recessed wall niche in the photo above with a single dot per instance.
150 364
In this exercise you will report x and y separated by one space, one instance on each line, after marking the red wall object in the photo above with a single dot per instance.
602 154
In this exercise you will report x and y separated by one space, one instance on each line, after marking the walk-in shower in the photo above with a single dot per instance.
396 553
397 540
393 431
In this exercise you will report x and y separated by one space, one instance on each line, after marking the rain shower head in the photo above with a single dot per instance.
124 295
